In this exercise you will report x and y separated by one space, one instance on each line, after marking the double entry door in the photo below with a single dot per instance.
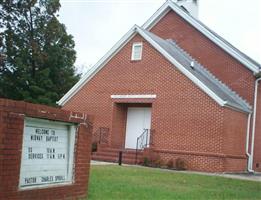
138 119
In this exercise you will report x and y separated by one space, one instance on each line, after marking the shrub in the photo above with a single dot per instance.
156 160
170 164
181 164
152 159
146 161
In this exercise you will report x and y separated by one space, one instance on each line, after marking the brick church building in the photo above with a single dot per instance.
175 88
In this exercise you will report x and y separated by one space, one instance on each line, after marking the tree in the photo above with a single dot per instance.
36 54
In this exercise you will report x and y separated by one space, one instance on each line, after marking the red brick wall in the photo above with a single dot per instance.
234 140
235 164
197 162
12 115
184 118
220 63
229 154
235 143
118 125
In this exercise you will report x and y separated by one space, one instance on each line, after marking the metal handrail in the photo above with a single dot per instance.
143 141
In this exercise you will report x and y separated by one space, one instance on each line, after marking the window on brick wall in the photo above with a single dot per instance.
136 51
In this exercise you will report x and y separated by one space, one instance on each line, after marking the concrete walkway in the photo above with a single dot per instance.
241 176
245 176
95 162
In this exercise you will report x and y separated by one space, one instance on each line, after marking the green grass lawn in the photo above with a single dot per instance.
115 182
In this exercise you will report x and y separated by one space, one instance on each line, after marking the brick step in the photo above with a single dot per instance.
107 149
130 161
125 151
104 158
114 159
112 155
116 154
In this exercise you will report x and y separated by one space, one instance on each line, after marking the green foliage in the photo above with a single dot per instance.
146 161
36 53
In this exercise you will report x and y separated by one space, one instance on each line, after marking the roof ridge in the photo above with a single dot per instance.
205 70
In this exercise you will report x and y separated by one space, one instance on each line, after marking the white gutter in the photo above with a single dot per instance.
254 123
247 144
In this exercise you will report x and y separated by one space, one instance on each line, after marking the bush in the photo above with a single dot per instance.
181 164
94 147
156 161
170 164
152 159
146 161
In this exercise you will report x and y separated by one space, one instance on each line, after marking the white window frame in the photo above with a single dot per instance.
136 44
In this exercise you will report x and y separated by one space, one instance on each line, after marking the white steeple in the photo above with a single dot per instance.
189 5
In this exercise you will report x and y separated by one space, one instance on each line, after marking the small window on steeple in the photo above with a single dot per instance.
136 51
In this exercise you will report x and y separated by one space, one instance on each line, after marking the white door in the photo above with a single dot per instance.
138 119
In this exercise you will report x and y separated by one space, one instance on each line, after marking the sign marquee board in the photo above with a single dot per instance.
47 153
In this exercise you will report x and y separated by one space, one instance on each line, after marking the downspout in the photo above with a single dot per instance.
254 123
247 144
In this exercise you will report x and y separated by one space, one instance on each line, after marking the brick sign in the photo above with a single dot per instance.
44 152
47 153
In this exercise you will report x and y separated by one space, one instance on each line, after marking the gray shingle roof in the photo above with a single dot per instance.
231 98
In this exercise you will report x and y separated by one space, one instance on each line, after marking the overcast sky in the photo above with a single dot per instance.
98 24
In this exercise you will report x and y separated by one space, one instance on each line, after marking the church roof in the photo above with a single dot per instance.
229 97
218 91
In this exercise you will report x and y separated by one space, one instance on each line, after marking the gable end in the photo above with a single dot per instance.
218 40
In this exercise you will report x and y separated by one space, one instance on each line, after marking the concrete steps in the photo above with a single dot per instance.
112 155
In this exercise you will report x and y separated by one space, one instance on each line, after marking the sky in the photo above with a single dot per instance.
97 25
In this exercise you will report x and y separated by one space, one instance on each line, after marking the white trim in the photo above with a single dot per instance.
134 45
48 122
170 5
135 96
37 187
131 34
158 15
96 68
237 108
135 29
71 160
51 124
182 69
